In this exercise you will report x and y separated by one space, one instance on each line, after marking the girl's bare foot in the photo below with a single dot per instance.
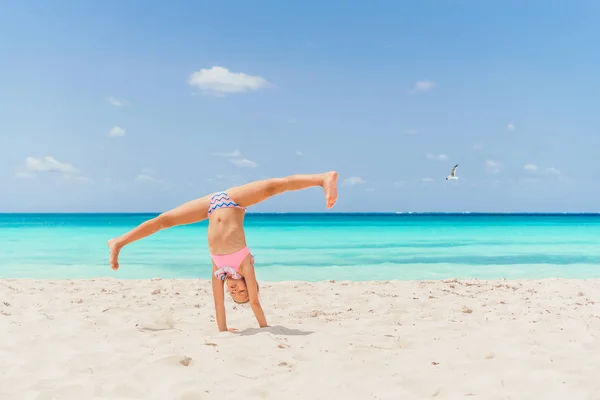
330 188
114 253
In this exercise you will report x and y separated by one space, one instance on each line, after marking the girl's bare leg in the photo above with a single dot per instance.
255 192
188 213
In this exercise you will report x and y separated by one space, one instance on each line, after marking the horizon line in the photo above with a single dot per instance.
322 213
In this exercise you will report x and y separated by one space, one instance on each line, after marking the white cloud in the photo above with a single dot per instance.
146 178
116 131
234 153
243 162
426 180
532 168
400 183
48 164
37 166
493 166
25 175
477 146
422 86
299 153
235 157
78 178
411 132
510 127
147 175
354 180
220 80
117 102
437 157
369 189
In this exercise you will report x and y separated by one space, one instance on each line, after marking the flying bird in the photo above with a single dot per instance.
452 173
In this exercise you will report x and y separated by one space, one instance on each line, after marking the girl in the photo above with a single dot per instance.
232 261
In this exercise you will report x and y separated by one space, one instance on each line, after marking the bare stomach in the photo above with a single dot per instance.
226 231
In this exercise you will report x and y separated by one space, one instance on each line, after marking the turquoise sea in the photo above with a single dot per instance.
313 247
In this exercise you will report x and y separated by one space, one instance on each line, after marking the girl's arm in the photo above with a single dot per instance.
219 297
252 287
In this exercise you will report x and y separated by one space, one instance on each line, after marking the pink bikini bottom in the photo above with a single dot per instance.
228 265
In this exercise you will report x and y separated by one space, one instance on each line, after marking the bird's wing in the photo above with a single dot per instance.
453 172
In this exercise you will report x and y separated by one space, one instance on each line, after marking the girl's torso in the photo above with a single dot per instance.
226 231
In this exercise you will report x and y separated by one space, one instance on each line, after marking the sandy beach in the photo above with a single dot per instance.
157 339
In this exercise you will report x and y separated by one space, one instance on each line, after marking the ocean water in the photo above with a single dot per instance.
313 247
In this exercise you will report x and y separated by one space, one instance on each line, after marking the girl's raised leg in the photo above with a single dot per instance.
255 192
188 213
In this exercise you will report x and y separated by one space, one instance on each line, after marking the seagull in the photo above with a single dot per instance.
452 173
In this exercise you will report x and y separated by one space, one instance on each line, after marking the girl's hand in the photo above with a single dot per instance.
232 330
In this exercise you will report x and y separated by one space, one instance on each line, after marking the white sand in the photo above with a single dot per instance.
110 339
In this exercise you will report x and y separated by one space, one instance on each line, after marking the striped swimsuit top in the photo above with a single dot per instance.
222 200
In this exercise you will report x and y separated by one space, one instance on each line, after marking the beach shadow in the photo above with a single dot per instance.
275 330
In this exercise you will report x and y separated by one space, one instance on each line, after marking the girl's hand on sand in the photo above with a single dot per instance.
232 330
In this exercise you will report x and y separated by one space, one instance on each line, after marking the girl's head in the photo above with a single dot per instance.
238 290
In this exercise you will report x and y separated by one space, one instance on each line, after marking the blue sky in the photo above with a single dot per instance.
141 106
